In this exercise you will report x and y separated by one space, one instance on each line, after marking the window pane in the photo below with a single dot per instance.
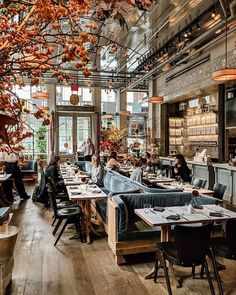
65 135
135 102
63 94
83 130
108 101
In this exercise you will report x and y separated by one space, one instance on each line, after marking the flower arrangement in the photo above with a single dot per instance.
43 36
113 139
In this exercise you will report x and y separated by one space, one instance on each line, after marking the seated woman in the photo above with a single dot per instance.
112 163
137 174
181 169
52 171
97 171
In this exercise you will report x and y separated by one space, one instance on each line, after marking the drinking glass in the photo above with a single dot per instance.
147 207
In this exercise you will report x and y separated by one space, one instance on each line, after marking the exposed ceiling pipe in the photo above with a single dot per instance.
177 55
156 30
223 7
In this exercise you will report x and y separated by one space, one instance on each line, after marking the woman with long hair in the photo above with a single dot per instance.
97 171
181 169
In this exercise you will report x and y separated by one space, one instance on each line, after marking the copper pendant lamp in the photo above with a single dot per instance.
226 74
156 99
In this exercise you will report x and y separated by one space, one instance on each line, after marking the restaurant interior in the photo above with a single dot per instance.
117 147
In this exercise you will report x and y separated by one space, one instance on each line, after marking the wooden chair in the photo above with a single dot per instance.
189 249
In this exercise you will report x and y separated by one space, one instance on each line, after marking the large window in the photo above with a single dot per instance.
83 130
136 103
32 145
108 101
63 94
65 135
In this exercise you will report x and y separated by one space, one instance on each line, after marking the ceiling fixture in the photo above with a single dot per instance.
40 95
226 74
125 113
213 14
156 99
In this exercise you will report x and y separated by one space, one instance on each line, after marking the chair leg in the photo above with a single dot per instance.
163 263
221 292
202 271
56 227
156 266
61 232
193 271
209 277
54 219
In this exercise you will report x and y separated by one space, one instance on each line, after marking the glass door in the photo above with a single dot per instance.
72 133
83 126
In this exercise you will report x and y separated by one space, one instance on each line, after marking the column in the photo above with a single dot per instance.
154 115
52 135
221 123
96 117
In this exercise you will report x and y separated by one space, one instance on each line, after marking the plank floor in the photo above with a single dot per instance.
73 268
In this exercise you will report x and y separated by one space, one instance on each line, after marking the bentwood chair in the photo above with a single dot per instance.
71 215
219 190
198 182
189 249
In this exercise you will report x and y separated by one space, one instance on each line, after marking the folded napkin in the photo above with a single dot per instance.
75 193
173 217
96 191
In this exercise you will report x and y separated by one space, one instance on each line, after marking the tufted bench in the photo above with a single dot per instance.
127 233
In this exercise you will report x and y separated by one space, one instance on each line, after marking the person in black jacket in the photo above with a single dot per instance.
52 171
181 169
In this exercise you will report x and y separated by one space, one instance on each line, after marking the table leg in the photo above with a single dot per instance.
88 219
165 236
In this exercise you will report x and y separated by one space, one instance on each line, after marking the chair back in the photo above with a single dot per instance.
198 182
219 190
231 237
52 197
192 243
52 185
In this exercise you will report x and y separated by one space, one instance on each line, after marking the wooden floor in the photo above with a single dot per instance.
73 268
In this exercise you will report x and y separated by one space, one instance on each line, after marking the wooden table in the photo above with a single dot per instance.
86 193
185 187
4 177
72 181
155 218
158 179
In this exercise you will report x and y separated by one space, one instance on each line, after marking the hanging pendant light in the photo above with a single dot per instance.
156 99
40 95
226 74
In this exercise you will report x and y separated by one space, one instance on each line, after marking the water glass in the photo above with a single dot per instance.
147 207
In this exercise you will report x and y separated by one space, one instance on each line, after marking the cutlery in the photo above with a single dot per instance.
152 211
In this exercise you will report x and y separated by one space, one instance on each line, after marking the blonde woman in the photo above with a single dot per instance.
97 171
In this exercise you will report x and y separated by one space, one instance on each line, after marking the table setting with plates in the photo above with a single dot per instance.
153 178
186 187
84 194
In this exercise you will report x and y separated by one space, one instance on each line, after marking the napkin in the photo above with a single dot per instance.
75 193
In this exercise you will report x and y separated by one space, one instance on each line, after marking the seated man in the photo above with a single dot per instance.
137 174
